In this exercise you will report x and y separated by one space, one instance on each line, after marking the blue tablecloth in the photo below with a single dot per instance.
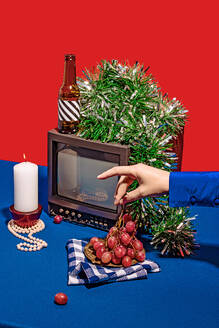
184 294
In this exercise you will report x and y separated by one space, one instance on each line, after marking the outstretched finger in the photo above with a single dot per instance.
117 170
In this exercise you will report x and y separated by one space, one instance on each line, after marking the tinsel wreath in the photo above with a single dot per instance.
124 104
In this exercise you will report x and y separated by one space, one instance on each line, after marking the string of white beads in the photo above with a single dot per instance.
30 243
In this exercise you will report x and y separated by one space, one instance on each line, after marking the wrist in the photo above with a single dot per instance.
166 182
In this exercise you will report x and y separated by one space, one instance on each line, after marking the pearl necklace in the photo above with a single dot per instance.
31 243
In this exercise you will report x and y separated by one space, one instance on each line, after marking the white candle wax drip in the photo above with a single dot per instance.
25 187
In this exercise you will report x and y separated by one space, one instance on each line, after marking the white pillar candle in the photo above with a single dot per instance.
25 187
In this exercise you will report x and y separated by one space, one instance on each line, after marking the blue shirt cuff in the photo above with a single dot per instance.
194 188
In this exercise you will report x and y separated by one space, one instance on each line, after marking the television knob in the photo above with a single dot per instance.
72 213
61 210
79 215
67 212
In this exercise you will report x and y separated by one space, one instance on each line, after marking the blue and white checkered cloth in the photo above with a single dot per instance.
81 271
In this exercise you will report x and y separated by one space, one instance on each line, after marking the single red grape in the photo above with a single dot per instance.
124 250
137 244
58 219
93 240
127 217
61 298
106 257
120 251
123 229
126 261
130 226
125 238
131 253
100 251
140 255
111 242
115 259
112 230
97 244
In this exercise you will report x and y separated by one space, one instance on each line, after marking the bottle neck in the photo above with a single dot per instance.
69 71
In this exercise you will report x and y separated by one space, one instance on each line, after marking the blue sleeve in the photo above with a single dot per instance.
194 188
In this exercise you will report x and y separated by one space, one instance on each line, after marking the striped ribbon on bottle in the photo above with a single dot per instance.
68 110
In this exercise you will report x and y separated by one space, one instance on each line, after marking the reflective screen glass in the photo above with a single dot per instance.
77 171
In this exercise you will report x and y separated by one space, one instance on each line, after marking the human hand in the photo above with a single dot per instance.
152 181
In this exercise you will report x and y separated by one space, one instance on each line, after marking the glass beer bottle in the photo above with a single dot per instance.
68 102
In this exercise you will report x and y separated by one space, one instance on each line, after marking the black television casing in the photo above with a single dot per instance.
72 210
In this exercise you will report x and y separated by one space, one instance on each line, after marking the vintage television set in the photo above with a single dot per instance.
73 188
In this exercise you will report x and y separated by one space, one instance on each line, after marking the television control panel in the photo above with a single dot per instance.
74 216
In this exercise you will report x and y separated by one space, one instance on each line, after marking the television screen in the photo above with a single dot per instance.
77 170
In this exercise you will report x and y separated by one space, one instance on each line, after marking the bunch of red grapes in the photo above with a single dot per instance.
121 245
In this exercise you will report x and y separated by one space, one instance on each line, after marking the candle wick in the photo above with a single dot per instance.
24 156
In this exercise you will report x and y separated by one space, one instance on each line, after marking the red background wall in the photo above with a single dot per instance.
179 40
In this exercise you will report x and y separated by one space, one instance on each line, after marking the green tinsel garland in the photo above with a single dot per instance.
123 104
